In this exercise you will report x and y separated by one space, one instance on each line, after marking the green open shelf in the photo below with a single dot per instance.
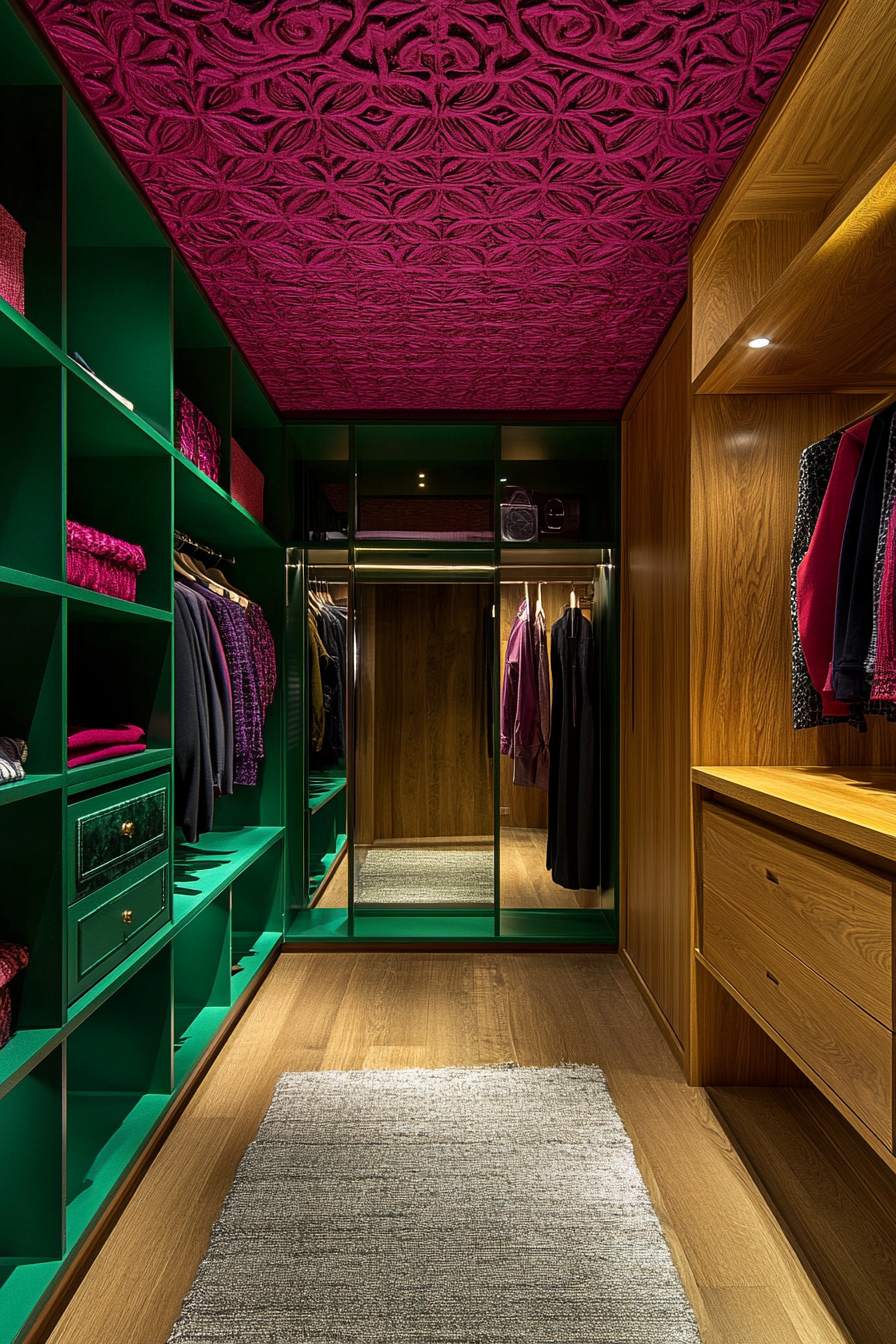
327 864
82 777
22 344
27 787
324 785
204 869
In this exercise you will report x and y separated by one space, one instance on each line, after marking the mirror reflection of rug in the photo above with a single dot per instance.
419 876
489 1206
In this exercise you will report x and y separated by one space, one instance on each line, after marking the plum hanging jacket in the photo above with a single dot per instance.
816 578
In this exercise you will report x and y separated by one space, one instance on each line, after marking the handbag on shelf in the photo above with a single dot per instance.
558 516
519 515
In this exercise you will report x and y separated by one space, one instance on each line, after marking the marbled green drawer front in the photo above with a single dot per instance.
116 832
103 931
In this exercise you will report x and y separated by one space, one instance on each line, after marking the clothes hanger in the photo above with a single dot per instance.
526 593
218 577
573 600
539 608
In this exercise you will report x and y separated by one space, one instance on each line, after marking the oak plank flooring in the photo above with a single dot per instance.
416 1009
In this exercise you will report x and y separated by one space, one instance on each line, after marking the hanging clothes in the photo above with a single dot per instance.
886 522
816 465
525 700
573 856
854 615
884 684
817 573
225 675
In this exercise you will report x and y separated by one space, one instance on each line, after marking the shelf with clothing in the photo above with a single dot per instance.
102 281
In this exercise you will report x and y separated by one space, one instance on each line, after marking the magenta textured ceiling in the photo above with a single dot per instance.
482 205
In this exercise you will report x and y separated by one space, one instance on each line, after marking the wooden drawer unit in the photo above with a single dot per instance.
108 926
832 914
847 1048
113 833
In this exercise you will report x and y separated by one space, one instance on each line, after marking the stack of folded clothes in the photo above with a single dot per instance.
86 745
13 755
13 958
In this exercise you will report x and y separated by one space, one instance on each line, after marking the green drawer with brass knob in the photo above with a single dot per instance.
105 928
112 833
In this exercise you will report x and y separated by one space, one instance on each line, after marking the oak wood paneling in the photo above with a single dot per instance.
814 153
745 472
431 773
654 715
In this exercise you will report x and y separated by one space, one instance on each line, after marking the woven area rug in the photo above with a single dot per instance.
457 1206
442 877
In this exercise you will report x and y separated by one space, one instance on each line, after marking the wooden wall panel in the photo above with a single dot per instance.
654 716
431 772
745 469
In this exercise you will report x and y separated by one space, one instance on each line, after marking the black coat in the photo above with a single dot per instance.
854 612
574 784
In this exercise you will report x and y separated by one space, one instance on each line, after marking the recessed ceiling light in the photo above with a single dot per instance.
503 480
759 343
422 485
421 474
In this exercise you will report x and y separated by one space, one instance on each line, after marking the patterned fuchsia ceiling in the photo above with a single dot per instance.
470 205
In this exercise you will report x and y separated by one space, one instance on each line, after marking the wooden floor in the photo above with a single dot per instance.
525 882
368 1010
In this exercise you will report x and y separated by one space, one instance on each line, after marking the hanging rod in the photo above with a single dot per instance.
206 550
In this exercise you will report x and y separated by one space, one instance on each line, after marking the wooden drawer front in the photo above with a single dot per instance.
104 930
848 1049
834 915
112 834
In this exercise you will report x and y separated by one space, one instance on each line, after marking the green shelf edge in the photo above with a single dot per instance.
318 800
259 841
585 928
39 583
28 1047
35 1281
28 787
83 777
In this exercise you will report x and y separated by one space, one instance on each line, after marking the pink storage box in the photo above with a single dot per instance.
12 262
246 482
104 564
13 958
196 437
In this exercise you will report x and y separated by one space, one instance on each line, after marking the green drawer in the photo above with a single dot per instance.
104 929
112 834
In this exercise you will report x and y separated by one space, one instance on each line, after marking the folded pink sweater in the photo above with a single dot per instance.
105 753
104 737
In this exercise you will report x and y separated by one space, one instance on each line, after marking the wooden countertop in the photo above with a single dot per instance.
856 805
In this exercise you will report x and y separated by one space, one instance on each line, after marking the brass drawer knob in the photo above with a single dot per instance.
128 828
127 916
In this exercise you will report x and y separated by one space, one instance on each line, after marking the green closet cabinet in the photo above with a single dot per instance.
142 947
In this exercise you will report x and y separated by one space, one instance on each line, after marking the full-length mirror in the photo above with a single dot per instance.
424 796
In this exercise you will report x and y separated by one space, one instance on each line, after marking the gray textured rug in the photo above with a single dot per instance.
442 877
447 1206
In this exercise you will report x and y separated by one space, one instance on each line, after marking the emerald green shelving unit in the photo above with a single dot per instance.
85 1083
